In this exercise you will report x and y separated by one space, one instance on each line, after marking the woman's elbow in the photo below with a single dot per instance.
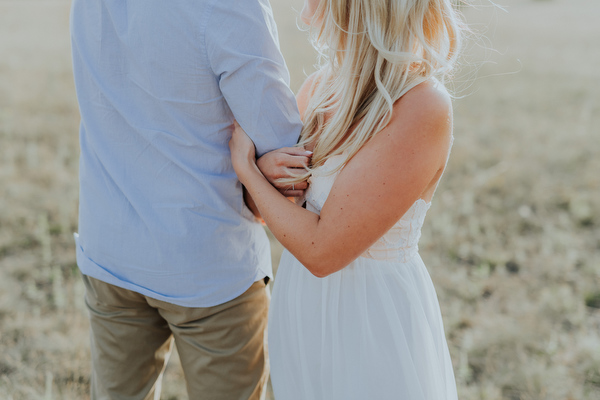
322 267
318 271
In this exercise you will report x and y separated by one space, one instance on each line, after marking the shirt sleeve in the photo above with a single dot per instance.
243 52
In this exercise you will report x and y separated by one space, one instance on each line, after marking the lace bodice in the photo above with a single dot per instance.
399 243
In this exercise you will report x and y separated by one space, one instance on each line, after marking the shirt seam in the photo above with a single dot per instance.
203 29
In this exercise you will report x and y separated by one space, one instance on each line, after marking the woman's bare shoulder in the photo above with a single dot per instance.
430 97
306 91
420 129
425 109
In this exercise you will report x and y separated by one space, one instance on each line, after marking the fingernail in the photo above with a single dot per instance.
308 152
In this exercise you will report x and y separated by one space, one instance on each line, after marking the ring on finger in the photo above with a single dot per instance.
293 186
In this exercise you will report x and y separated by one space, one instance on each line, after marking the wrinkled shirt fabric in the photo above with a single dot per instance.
159 85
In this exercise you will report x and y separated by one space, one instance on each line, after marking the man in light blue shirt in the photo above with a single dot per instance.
166 243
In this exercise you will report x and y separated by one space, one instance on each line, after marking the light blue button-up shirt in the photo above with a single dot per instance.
159 84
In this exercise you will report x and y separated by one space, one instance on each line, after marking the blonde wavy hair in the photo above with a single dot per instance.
374 51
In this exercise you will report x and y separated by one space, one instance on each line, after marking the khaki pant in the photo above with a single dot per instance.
222 348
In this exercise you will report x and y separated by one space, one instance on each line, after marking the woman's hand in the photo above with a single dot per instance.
285 163
277 164
243 152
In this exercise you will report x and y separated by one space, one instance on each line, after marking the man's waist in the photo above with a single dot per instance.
198 269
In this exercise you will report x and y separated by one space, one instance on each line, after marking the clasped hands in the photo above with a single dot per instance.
281 163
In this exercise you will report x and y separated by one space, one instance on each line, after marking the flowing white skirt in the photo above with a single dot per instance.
370 331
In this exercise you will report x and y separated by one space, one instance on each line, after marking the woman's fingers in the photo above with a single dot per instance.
286 162
295 157
296 151
290 173
294 161
297 186
280 163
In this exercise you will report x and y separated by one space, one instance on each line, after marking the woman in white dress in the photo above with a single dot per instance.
354 314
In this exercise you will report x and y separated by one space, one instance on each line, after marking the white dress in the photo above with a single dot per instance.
372 330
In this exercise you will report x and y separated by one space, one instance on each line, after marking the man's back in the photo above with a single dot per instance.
159 84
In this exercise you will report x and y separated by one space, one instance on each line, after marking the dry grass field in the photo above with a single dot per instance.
512 241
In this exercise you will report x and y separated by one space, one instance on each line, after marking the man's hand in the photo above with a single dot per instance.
285 163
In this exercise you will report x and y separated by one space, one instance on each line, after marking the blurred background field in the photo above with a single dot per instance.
512 241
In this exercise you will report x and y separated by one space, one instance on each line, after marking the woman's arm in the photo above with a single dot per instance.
284 162
281 163
370 194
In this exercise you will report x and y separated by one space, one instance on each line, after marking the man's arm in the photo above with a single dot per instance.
242 49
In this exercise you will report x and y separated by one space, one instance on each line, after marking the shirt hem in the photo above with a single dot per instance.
90 268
